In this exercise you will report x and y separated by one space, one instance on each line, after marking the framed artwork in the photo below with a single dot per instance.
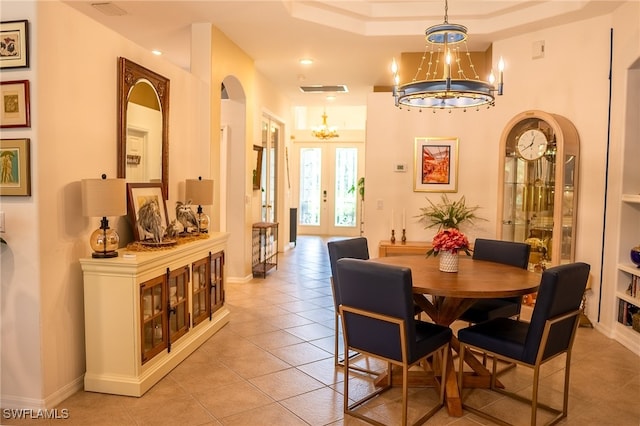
15 171
14 44
257 172
436 165
15 104
147 211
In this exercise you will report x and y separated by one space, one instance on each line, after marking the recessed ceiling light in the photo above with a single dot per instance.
156 52
306 61
331 98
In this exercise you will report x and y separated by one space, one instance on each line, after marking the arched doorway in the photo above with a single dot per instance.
233 178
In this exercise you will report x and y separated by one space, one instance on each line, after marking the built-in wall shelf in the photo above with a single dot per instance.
627 298
629 268
631 198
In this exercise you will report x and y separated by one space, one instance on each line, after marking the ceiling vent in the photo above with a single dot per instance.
340 88
109 9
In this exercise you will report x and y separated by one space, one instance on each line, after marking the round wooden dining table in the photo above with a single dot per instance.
452 293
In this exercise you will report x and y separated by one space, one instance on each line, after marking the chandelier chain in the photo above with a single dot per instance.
446 12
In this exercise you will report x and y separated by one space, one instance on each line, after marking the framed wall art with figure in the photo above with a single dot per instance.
14 44
435 165
147 211
15 168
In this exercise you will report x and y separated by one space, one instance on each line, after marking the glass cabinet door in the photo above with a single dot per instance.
568 210
200 290
217 280
153 317
178 308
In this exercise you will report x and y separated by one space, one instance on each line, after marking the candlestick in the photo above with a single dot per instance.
500 76
404 237
393 236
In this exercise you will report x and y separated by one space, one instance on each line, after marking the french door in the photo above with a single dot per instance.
271 139
328 198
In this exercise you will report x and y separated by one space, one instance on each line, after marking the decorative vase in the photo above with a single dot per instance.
448 261
635 256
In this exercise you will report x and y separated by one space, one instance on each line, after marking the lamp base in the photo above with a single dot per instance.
104 255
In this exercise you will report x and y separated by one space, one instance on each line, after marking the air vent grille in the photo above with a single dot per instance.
109 9
339 88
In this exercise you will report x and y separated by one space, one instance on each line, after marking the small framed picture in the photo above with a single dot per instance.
147 211
15 168
257 172
15 104
436 165
14 44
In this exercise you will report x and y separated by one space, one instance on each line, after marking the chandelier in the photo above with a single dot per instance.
439 90
325 132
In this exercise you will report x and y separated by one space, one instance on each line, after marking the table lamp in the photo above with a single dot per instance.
101 198
200 191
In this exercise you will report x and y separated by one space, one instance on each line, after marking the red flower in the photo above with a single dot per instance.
449 240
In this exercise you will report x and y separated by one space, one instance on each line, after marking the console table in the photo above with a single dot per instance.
386 248
264 248
146 311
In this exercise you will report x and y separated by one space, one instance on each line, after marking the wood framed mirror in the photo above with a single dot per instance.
143 125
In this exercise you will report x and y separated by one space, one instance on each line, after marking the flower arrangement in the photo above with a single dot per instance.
450 239
447 214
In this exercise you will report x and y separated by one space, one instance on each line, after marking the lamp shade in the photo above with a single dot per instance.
199 191
104 197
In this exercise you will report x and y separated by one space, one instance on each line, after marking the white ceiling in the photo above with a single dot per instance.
351 42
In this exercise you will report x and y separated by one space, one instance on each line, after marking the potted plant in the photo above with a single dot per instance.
360 190
449 240
448 214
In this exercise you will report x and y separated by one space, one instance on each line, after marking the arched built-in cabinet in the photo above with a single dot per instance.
538 185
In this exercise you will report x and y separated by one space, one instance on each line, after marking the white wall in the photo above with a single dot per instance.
73 75
20 316
625 131
571 80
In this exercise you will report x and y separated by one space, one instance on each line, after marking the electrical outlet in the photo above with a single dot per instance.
379 205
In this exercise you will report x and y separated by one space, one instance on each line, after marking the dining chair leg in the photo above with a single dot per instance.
534 396
335 341
405 394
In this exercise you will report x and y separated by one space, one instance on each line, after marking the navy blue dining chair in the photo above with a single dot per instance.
354 248
507 253
378 320
550 333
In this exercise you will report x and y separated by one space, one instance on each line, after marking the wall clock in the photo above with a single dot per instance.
532 144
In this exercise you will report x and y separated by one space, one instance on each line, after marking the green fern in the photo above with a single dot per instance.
448 214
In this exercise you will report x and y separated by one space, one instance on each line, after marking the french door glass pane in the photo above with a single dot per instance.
345 200
273 166
310 175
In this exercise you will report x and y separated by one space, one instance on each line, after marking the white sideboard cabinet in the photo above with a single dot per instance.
146 311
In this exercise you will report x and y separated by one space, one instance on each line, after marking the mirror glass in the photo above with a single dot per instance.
143 125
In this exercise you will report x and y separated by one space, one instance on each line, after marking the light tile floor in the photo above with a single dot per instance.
273 365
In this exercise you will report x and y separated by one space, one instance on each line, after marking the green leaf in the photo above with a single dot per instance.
447 214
